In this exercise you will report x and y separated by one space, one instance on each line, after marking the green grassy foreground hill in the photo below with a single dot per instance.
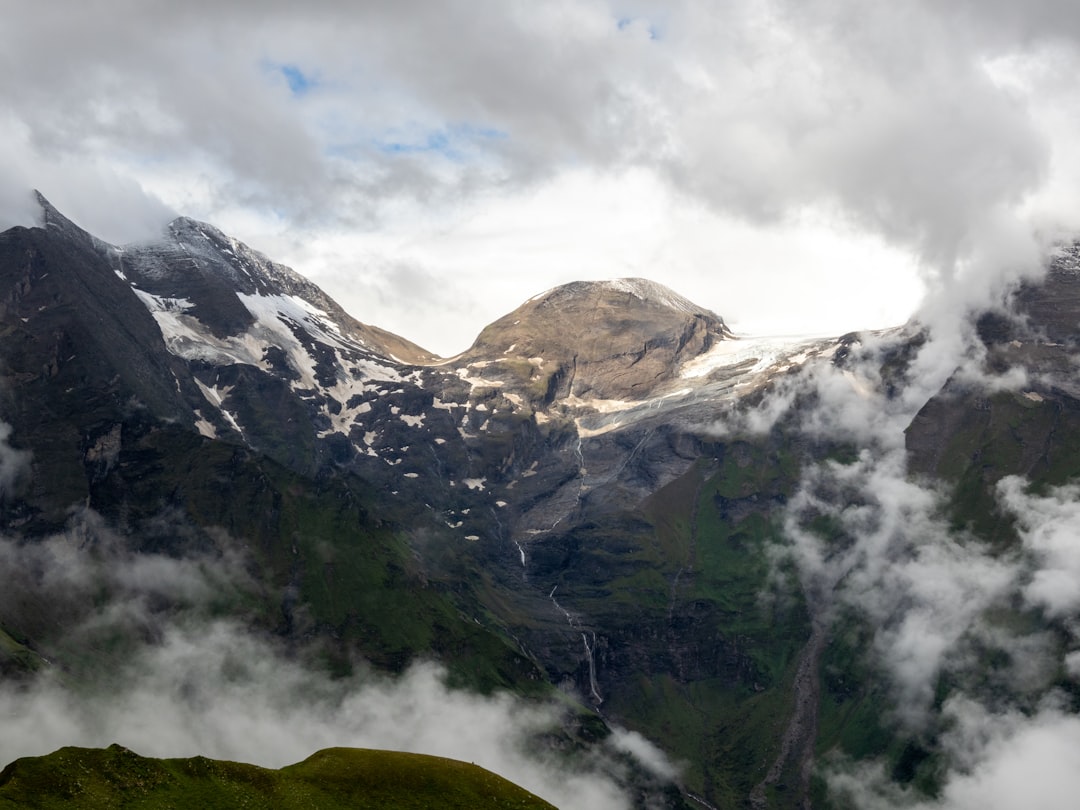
334 778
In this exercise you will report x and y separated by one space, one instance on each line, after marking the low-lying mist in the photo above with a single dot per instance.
147 656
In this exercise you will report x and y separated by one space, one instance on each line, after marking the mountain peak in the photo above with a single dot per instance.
615 339
638 291
220 280
52 219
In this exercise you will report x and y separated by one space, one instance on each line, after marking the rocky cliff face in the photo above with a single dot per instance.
608 340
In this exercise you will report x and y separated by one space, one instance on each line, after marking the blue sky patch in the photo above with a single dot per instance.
299 82
454 143
625 22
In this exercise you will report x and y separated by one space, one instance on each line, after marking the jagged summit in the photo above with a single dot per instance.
196 270
197 262
51 219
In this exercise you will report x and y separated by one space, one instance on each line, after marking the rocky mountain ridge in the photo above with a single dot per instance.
594 495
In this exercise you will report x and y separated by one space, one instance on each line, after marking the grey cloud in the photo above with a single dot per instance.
110 205
13 463
928 589
885 115
1007 760
1049 525
149 663
898 565
73 589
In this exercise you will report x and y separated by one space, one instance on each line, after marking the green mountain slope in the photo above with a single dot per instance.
336 777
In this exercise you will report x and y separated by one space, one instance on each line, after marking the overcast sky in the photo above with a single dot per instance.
794 166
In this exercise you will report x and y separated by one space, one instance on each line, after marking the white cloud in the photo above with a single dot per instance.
215 690
1049 526
153 667
1006 760
761 158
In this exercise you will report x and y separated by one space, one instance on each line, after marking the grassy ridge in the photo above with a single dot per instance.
334 778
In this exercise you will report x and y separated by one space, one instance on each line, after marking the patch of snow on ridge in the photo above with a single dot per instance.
157 303
599 405
763 352
647 290
204 427
215 396
279 319
187 337
478 382
293 308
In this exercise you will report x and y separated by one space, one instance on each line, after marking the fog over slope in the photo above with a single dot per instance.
170 677
929 587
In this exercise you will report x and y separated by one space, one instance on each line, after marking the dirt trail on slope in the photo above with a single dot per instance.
797 744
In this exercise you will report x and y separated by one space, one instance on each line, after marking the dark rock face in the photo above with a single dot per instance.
79 354
964 428
1052 306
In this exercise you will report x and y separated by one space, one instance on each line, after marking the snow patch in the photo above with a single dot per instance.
759 353
600 405
478 382
651 292
215 396
204 427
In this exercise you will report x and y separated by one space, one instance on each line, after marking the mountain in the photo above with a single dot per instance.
607 340
716 542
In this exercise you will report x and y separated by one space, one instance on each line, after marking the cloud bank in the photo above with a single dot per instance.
134 651
931 594
380 144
